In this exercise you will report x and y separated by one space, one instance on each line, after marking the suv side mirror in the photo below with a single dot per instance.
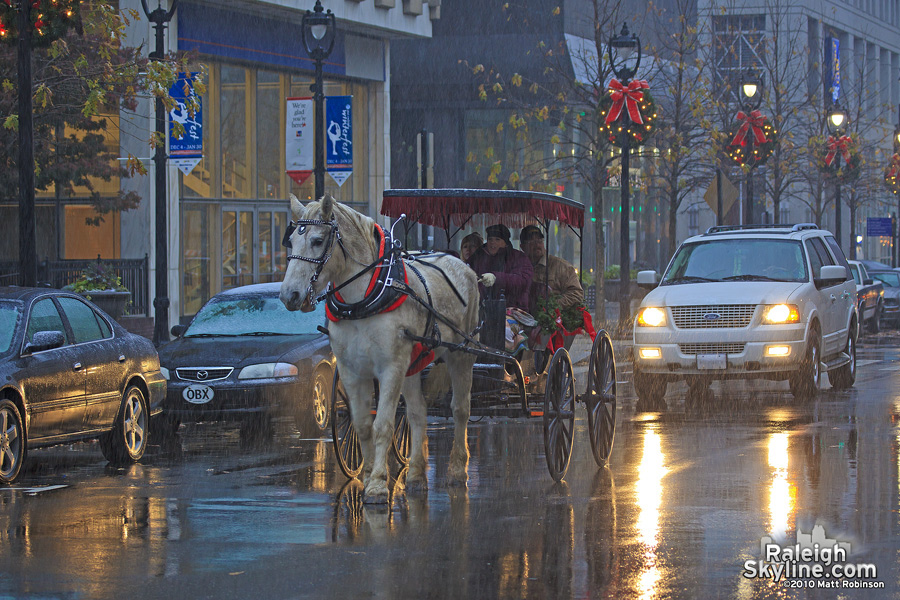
45 340
647 279
832 275
869 282
178 330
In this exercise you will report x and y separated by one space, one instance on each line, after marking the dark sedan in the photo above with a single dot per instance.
69 372
244 357
891 281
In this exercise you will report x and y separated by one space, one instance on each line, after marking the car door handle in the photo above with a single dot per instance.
846 294
76 367
833 299
121 358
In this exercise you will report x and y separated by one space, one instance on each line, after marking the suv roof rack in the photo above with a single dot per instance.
792 228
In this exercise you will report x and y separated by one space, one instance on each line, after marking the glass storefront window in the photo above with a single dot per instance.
199 232
269 135
199 182
236 174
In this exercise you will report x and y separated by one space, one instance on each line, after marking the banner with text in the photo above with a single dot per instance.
339 129
299 138
185 152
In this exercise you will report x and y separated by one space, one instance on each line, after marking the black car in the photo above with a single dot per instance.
245 357
69 372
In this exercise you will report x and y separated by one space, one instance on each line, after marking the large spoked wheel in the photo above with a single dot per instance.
400 442
559 414
346 444
520 384
127 441
601 398
12 441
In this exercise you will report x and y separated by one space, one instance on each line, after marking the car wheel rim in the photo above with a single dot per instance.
134 424
10 443
851 346
815 364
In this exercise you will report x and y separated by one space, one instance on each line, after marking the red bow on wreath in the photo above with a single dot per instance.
626 96
556 338
893 168
834 144
756 120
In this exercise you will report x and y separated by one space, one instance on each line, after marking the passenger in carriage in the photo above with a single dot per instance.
469 245
553 276
502 269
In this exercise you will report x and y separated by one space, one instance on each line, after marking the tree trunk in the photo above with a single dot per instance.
600 245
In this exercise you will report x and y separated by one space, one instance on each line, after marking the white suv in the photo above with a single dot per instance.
748 302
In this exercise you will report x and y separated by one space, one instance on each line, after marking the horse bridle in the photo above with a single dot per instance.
301 225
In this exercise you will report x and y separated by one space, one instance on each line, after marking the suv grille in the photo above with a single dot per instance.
713 348
203 374
699 317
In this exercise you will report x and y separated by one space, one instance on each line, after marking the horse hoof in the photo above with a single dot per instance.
379 499
457 482
417 486
376 493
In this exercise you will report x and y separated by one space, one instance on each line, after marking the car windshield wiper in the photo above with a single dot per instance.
690 279
199 335
264 333
751 278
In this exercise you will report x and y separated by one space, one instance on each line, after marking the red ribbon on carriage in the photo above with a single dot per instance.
835 145
556 338
755 121
629 97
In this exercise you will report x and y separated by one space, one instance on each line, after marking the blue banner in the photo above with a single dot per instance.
339 134
190 145
835 55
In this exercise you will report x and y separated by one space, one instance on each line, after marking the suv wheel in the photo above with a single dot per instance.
650 389
875 321
844 377
805 382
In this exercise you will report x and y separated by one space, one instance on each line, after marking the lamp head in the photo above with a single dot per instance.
837 117
318 32
751 89
624 54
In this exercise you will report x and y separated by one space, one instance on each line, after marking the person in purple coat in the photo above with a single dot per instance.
502 269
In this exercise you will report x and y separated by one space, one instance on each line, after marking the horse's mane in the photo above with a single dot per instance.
356 228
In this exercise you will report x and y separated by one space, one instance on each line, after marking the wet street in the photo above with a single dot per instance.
690 491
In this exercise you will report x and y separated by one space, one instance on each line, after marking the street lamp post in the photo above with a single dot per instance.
836 119
160 18
318 31
751 96
625 57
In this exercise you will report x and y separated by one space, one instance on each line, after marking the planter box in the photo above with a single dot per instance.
111 302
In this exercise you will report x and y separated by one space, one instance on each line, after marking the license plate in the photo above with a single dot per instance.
197 394
712 361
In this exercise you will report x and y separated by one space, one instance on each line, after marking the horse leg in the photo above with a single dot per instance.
360 392
460 366
383 432
416 414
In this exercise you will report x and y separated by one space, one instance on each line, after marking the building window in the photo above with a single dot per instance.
784 214
738 46
693 220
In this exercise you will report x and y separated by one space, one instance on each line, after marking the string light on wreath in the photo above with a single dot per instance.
628 111
892 174
764 134
49 19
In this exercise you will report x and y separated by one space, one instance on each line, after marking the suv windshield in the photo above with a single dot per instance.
252 315
740 259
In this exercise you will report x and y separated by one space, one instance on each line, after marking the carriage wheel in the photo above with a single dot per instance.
346 445
520 384
601 398
559 414
400 442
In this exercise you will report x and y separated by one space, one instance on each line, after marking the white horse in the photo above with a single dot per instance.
332 244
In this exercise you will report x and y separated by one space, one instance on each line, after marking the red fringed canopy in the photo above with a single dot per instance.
513 208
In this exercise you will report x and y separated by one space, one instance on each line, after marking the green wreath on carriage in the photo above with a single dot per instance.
845 147
628 111
559 322
756 127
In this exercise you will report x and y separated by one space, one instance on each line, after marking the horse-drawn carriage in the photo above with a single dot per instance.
498 384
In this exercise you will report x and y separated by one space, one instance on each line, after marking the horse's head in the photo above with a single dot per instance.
311 240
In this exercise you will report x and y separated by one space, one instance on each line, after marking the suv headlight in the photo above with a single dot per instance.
651 317
268 371
781 313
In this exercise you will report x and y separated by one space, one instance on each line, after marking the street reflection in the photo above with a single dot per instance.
781 492
600 535
651 471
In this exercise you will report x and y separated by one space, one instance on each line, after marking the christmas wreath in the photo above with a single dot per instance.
628 111
753 127
49 18
559 322
892 174
840 157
